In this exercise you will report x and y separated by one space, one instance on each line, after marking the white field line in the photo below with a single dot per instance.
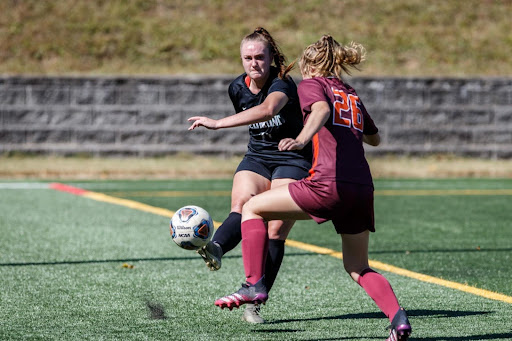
24 185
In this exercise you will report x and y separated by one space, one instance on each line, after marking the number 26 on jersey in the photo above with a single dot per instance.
347 110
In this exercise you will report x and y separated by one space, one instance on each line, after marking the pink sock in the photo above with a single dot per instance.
254 249
379 289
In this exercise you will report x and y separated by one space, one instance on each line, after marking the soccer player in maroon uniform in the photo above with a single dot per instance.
267 101
339 187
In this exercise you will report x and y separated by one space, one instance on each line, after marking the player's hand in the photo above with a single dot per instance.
290 144
201 121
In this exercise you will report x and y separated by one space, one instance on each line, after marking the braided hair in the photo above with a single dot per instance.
262 35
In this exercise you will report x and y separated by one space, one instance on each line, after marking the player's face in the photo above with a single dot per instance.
256 59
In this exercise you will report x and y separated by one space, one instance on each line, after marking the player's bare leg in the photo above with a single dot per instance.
277 232
355 260
255 242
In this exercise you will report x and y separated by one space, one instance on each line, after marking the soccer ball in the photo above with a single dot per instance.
191 227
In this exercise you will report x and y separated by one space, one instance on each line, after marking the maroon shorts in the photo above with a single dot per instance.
348 205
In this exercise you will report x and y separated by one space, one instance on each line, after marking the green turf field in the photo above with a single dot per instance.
76 268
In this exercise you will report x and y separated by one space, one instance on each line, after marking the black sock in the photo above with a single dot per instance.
229 234
274 260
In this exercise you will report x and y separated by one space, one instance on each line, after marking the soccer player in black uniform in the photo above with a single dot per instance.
268 103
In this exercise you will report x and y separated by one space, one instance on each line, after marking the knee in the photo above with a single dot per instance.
238 204
274 233
278 229
247 207
241 197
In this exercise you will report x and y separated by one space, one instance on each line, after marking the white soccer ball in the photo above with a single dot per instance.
191 227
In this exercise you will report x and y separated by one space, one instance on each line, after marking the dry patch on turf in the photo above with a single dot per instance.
53 167
195 167
439 167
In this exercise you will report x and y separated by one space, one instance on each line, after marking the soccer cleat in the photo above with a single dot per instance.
255 294
400 327
252 314
211 254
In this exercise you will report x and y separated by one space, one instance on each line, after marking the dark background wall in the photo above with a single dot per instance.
112 116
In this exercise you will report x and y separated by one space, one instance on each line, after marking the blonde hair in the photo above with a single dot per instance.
328 58
262 35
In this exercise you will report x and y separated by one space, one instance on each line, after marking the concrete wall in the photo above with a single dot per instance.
148 116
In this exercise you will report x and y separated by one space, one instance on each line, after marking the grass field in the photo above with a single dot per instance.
101 266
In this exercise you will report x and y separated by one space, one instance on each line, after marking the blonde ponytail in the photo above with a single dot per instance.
328 58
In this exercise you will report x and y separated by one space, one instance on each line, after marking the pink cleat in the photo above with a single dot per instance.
400 327
255 294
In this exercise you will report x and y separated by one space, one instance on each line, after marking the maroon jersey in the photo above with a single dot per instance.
338 153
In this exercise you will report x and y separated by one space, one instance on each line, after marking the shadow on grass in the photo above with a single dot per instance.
499 336
96 261
122 260
379 315
270 331
411 313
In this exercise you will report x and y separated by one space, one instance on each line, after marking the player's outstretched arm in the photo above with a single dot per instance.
260 113
202 121
320 112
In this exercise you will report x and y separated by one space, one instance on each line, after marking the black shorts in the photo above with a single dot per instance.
276 169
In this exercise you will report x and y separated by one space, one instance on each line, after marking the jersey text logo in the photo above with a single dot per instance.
273 122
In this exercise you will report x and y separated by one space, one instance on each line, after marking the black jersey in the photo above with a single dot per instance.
265 136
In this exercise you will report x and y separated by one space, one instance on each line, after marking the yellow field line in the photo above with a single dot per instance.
385 192
133 204
316 249
434 280
129 203
406 273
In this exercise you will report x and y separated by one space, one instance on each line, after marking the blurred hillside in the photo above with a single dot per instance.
459 38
